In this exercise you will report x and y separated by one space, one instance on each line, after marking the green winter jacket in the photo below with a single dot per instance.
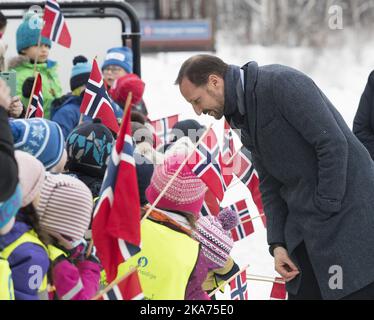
51 83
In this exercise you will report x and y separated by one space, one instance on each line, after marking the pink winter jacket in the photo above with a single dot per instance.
76 282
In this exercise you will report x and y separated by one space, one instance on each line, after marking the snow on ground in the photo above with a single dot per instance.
340 72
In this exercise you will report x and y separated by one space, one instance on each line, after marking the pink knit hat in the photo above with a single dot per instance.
65 206
31 175
186 193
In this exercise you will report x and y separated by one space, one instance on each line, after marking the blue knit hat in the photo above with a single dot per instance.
80 73
41 138
28 32
121 56
10 207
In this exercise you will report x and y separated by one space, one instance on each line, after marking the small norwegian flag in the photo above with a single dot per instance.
116 220
163 127
205 162
35 109
55 27
127 289
239 288
245 227
211 205
278 292
96 102
245 171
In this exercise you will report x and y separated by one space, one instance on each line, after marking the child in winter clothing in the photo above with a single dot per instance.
41 138
65 209
118 62
88 147
66 110
178 210
22 245
27 40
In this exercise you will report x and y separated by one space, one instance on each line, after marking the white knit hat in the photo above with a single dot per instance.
65 206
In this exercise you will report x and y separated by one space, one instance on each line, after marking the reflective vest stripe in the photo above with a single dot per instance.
74 291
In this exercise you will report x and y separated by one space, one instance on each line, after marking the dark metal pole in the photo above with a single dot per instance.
96 9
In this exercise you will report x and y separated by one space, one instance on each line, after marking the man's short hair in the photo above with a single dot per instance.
3 21
197 69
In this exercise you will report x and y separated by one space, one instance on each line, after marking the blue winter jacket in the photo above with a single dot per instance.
22 260
68 113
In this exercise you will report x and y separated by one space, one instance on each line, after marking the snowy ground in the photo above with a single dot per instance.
340 72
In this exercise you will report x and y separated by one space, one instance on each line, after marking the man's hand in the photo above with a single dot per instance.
16 107
4 95
283 264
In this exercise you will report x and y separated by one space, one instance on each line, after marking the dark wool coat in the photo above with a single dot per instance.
363 125
316 178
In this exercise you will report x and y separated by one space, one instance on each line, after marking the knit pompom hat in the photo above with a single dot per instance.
31 175
80 73
216 242
28 32
186 193
65 206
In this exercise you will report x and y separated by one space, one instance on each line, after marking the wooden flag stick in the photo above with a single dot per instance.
114 283
254 277
175 175
232 158
249 220
32 94
228 281
126 109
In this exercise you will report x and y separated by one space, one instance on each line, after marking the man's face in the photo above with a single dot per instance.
207 99
111 73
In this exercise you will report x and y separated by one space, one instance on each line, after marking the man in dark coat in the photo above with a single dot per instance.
316 178
363 125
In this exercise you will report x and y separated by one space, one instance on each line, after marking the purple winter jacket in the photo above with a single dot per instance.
22 262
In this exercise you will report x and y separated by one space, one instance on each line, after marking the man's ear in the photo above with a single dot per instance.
213 80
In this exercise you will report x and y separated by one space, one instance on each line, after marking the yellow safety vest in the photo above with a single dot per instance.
165 263
31 236
6 282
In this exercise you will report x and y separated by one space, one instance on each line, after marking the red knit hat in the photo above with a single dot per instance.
124 85
186 193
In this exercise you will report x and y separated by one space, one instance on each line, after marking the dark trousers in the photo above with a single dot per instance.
309 289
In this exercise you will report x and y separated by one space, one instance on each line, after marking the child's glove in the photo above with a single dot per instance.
78 250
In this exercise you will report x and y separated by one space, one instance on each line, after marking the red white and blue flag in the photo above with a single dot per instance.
96 102
239 288
245 227
163 128
35 109
128 288
211 206
55 27
278 292
116 222
244 169
205 162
